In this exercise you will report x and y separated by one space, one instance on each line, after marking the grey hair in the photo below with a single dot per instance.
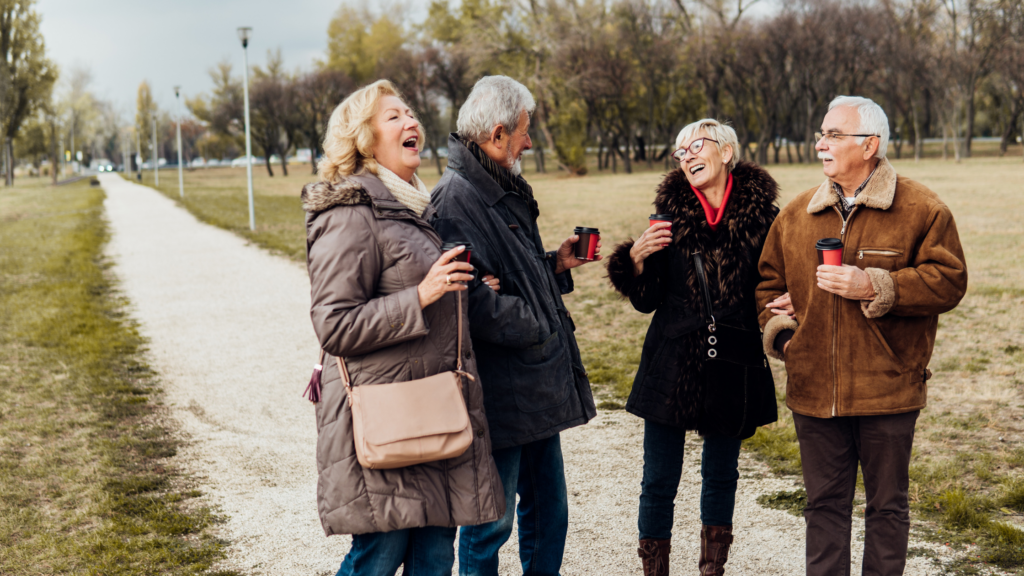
715 130
872 120
494 100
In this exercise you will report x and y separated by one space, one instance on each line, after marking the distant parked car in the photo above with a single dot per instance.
240 161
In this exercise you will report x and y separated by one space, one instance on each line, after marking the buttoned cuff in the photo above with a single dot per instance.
885 293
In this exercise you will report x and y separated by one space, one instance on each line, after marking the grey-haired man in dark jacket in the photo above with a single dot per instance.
534 382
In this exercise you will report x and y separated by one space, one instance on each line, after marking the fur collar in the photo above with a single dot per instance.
878 194
319 196
731 252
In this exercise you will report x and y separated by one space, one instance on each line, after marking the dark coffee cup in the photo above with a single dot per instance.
586 246
830 251
464 257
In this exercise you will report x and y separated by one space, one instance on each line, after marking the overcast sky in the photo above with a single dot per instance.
176 42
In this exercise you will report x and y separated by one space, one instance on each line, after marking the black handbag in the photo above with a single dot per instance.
739 390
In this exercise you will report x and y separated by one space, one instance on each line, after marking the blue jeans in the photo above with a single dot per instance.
663 467
427 551
536 472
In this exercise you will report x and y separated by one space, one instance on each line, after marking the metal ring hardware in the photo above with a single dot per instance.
712 353
712 340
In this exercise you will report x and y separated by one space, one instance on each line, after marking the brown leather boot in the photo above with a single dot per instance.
714 549
654 554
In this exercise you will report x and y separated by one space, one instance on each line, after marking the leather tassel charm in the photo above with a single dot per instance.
313 389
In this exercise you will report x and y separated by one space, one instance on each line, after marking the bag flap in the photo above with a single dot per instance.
736 345
414 409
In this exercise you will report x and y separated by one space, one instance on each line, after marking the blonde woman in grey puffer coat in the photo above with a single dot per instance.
383 299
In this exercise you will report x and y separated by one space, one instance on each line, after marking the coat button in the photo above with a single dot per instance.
513 226
479 432
467 355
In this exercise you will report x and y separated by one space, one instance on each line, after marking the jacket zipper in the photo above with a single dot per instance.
835 319
448 494
860 254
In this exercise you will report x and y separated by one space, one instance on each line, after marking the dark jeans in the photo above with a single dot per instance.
535 471
428 551
663 467
831 449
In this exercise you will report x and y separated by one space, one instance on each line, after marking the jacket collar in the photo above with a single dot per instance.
878 194
363 188
462 160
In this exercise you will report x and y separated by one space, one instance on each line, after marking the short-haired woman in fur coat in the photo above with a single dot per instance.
723 209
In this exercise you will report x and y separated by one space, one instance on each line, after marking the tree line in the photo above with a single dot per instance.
620 77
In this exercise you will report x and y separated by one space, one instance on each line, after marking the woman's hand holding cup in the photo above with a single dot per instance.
444 276
655 238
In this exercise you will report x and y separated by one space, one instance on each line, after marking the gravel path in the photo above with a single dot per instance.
230 336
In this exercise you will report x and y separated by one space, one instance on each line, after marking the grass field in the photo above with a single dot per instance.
968 471
83 483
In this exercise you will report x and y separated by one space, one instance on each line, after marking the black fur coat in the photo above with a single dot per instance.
667 387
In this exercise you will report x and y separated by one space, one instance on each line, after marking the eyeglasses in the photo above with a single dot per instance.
833 137
695 147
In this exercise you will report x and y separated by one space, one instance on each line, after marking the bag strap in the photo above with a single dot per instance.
343 368
706 310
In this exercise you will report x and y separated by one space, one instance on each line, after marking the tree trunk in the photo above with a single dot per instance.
789 151
969 135
284 161
917 131
10 158
956 134
1011 127
945 151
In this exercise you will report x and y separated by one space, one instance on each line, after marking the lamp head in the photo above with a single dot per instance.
177 91
243 34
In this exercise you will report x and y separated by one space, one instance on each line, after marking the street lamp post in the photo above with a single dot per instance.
243 35
181 176
156 157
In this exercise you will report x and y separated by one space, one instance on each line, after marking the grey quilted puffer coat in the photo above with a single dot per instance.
366 253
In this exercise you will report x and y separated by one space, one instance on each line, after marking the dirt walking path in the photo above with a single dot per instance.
230 337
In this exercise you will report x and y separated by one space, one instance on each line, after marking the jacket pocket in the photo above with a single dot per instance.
885 345
543 374
888 259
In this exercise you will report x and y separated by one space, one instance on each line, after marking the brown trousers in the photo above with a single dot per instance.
831 449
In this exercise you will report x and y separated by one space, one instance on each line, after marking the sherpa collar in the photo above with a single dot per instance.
364 188
878 194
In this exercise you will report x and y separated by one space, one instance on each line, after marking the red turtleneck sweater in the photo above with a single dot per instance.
714 216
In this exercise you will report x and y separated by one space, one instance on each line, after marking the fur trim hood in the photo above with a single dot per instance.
319 196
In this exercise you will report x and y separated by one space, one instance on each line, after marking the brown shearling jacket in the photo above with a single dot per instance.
853 358
366 254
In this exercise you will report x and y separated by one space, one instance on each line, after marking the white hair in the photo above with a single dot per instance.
494 100
715 130
872 120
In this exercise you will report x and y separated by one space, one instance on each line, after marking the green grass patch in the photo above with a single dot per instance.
84 484
792 501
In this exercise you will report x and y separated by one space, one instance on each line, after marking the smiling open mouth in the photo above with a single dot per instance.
410 143
696 168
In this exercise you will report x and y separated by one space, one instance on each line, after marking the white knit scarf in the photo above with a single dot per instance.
415 196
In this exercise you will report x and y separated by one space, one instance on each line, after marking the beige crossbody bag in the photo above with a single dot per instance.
407 423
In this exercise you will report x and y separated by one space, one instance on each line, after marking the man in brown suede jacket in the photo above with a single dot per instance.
857 338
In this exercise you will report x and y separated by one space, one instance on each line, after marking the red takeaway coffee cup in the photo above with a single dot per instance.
586 246
830 251
656 218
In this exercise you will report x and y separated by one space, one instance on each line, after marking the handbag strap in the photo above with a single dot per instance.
706 310
343 367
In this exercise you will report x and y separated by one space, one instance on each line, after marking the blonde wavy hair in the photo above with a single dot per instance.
350 138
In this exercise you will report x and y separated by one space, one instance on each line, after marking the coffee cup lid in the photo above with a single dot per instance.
584 230
450 245
660 217
829 244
